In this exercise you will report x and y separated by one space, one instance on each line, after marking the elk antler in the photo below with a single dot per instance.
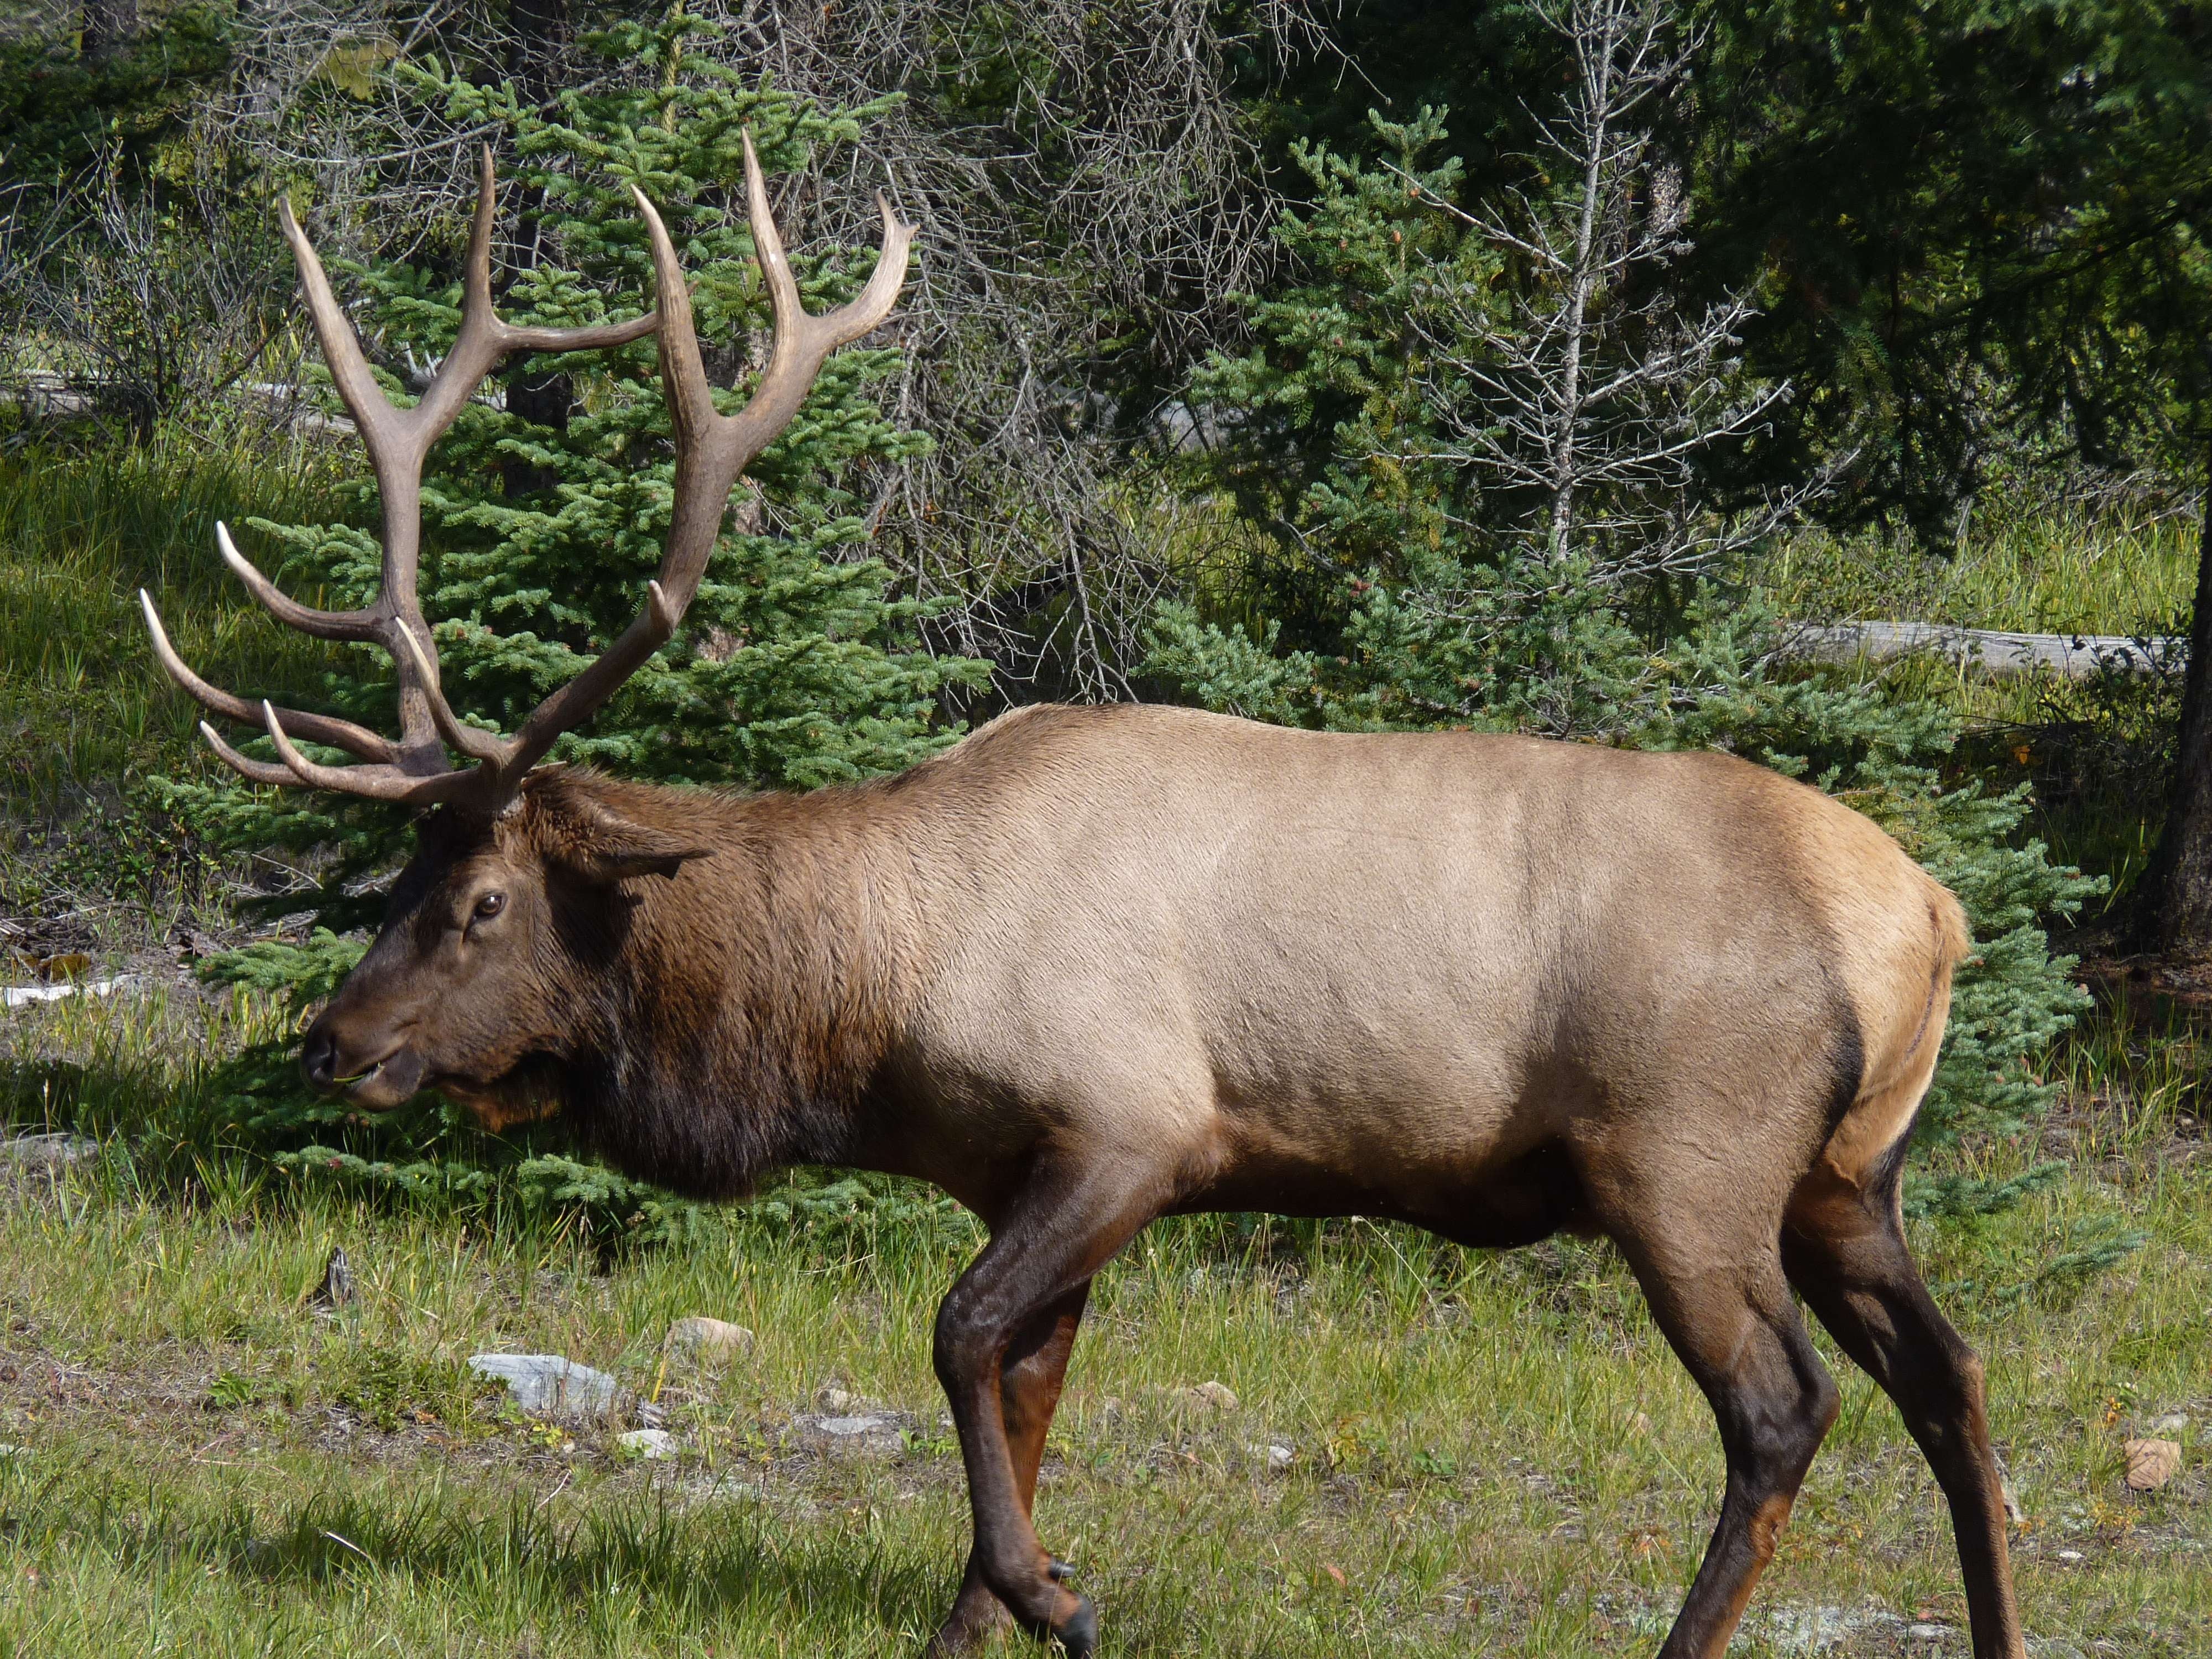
712 449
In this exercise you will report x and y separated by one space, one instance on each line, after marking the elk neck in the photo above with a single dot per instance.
737 1026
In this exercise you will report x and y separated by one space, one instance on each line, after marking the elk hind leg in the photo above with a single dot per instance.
1844 1247
1726 1308
1030 1377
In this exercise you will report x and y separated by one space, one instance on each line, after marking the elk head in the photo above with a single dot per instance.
518 877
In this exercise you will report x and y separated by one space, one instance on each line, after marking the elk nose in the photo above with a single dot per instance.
318 1058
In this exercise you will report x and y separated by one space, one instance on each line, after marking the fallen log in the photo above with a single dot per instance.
1992 650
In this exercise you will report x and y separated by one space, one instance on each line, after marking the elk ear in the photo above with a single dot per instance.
607 848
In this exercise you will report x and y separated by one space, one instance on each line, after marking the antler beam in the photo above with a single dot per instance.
712 450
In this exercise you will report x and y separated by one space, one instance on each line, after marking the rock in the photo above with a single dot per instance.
337 1287
2071 1555
1214 1396
2151 1463
7 1450
551 1384
2172 1426
848 1428
651 1444
1274 1458
861 1432
705 1341
46 1154
838 1402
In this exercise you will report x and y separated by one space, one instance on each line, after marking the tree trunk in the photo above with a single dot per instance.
109 27
2178 914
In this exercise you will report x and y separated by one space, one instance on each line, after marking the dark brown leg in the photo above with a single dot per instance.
1774 1401
1707 1257
1043 1249
1030 1379
1846 1252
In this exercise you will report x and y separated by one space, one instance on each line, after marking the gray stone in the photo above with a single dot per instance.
844 1428
862 1432
551 1384
1214 1395
651 1444
705 1341
48 1154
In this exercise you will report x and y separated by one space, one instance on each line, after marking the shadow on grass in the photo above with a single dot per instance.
690 1569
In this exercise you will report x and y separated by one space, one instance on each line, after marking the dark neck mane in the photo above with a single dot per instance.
751 1000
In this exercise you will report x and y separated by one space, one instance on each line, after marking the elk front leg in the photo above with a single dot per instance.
1043 1249
1030 1379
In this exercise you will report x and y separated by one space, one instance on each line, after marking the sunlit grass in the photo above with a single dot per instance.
2065 569
82 702
1490 1451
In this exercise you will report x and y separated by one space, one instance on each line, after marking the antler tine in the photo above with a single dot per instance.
386 783
712 449
804 343
323 625
315 728
253 771
485 337
397 440
477 745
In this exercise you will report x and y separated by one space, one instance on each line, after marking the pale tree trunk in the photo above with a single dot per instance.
2178 906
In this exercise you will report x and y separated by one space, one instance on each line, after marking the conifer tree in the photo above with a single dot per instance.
1419 598
797 665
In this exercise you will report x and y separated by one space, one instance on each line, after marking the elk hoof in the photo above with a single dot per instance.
1078 1631
968 1628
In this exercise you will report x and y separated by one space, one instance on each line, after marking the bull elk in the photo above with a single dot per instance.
1094 966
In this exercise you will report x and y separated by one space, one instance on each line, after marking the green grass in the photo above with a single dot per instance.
1494 1452
2059 569
83 706
2097 751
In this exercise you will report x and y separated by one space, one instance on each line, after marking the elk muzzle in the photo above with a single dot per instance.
372 1064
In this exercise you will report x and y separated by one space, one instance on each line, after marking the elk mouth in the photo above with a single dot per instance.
389 1082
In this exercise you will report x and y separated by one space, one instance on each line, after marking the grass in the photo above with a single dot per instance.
1493 1454
83 706
2097 752
2126 568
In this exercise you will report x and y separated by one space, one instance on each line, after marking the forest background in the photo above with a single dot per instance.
1565 368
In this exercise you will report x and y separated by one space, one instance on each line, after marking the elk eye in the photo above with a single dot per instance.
490 905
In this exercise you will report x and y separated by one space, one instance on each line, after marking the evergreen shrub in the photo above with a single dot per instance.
798 663
1406 597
